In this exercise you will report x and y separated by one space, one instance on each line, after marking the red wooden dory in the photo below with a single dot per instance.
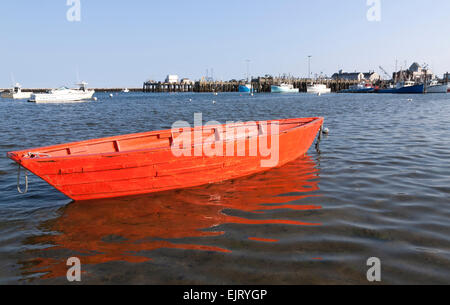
145 163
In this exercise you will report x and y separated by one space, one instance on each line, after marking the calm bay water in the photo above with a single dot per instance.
380 187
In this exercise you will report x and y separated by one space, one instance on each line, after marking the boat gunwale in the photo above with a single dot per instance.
15 156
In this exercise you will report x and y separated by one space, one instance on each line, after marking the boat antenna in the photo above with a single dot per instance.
12 79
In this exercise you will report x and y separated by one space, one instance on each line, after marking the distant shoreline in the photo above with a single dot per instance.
40 90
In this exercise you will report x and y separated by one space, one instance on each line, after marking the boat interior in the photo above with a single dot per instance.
163 139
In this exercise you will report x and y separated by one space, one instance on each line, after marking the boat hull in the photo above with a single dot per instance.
278 89
416 89
61 98
105 168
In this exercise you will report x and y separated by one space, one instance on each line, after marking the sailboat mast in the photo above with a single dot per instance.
309 67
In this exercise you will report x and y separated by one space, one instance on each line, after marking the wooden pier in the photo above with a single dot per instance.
260 84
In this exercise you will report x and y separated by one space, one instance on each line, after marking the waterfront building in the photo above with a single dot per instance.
172 79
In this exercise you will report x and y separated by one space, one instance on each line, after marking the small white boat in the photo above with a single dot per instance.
435 87
16 93
126 90
285 88
318 89
64 94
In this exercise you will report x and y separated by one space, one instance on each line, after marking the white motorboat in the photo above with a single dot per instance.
435 87
285 88
64 94
126 90
318 89
16 93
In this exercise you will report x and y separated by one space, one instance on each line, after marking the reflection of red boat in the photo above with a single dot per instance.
146 163
130 229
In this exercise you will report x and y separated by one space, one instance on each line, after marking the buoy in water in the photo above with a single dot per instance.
111 95
94 98
325 131
214 102
410 100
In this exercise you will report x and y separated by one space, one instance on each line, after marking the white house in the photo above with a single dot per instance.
172 79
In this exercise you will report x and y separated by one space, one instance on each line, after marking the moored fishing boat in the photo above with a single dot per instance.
152 162
64 94
284 88
16 93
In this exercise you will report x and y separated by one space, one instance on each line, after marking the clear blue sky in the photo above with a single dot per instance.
123 43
